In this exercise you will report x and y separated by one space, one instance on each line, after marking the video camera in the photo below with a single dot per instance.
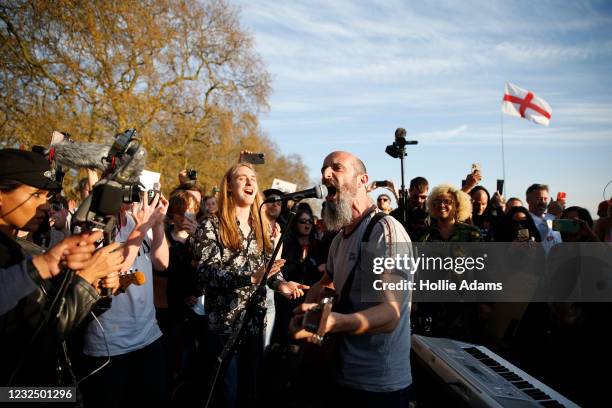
398 148
119 185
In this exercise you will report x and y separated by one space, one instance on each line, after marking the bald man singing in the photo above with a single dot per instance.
373 325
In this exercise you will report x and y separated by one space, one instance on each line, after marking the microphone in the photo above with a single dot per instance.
92 156
400 133
318 191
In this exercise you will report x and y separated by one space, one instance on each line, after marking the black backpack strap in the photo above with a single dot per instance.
377 217
344 305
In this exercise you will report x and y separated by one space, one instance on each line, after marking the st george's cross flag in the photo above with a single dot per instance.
525 104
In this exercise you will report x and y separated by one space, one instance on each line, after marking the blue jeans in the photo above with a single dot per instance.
237 386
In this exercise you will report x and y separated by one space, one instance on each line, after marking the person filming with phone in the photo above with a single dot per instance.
128 332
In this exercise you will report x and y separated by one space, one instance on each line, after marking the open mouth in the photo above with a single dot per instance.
249 191
331 192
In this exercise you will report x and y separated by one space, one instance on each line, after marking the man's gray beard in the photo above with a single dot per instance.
338 214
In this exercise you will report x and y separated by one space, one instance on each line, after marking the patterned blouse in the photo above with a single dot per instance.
225 275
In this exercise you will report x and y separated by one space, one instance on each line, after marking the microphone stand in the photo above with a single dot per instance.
403 192
233 341
397 150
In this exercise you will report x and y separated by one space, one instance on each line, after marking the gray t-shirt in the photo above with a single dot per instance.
130 323
379 362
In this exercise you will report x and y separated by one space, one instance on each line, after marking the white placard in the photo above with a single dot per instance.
149 179
284 186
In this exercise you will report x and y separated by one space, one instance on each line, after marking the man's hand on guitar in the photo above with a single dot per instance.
292 290
296 325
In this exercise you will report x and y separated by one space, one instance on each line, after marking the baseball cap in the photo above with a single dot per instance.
272 191
29 168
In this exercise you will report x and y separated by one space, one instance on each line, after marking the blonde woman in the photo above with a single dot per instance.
229 248
449 207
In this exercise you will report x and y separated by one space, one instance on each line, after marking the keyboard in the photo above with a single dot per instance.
482 378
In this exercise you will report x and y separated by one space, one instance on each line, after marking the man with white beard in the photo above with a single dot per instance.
374 336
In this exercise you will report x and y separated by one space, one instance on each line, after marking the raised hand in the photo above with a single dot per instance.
150 214
472 180
160 209
182 176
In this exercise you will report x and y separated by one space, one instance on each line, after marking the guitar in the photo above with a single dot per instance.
301 368
319 351
126 279
315 319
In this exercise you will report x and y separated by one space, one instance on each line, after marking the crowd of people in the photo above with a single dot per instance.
206 258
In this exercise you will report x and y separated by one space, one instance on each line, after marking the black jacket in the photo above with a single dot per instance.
39 355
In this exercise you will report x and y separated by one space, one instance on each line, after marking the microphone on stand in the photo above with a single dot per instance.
318 191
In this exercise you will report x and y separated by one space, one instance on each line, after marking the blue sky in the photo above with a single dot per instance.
346 74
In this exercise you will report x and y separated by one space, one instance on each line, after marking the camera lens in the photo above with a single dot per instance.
130 194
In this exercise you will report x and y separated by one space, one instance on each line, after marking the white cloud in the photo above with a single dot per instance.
441 63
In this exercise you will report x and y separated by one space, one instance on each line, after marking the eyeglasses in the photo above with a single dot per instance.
306 222
443 201
383 199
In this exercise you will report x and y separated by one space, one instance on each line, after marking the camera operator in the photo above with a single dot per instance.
128 332
31 328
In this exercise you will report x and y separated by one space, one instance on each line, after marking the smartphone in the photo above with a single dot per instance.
378 184
500 186
566 226
192 174
463 183
561 196
151 195
190 215
253 158
476 168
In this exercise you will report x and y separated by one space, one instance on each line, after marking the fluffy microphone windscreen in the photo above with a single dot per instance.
81 155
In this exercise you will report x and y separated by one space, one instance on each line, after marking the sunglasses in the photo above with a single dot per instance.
383 199
306 222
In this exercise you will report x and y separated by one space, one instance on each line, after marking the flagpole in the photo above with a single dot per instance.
501 115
